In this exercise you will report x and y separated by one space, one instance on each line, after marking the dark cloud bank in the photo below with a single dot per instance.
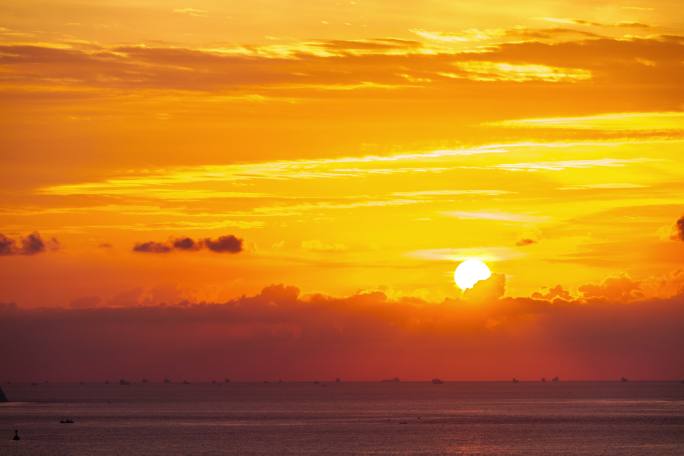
222 244
279 334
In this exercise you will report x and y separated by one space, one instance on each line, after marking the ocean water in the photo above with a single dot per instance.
460 418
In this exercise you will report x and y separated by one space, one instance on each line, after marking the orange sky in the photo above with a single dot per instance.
352 146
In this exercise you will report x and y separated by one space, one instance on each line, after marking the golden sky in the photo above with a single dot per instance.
352 146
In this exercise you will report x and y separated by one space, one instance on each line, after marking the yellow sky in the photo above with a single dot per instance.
353 145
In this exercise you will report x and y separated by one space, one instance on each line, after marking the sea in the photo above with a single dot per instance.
345 418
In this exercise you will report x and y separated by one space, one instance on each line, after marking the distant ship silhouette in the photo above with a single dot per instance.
3 398
555 379
436 381
515 380
624 380
167 380
124 382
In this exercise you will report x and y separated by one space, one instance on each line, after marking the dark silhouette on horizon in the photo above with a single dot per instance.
3 398
437 381
16 435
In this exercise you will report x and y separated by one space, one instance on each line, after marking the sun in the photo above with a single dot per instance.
469 272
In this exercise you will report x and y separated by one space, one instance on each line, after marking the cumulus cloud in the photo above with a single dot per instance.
679 228
222 244
279 333
186 243
487 290
7 245
152 247
551 294
31 244
619 289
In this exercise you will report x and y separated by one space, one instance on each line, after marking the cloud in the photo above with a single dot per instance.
551 294
194 12
303 69
524 242
186 243
571 164
496 216
616 289
679 226
7 245
152 247
667 121
278 333
31 244
487 290
505 71
222 244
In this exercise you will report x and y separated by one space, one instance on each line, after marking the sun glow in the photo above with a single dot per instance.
469 272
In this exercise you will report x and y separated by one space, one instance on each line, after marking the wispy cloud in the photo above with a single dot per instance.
157 182
503 71
496 216
621 121
194 12
485 253
572 164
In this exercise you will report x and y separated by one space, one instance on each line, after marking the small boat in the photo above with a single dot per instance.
338 380
167 380
436 381
555 379
67 421
515 380
227 380
624 380
543 380
16 435
124 382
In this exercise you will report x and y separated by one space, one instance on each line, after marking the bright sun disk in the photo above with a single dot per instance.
469 272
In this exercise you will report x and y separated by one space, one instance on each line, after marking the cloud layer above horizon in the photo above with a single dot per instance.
366 336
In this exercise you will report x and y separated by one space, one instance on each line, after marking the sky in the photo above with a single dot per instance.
186 154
